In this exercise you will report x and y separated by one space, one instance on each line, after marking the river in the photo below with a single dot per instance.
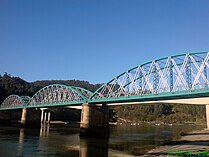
62 140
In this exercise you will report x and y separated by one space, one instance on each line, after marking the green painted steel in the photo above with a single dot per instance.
13 102
78 103
113 88
154 97
26 98
68 87
86 93
58 95
176 77
77 92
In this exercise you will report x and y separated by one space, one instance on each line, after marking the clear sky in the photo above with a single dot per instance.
96 40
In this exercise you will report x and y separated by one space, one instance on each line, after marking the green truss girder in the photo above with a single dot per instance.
77 90
87 96
154 97
95 94
7 100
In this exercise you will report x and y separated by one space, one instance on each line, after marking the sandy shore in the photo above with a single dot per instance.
194 142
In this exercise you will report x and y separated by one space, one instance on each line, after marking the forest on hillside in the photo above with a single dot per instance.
163 113
15 85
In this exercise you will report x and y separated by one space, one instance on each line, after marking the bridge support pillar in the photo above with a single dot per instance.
42 115
30 118
23 117
94 120
48 118
45 116
207 116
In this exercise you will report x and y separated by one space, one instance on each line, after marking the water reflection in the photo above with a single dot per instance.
21 141
70 145
63 140
44 131
93 147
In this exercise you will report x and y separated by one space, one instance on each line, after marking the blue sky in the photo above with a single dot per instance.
96 40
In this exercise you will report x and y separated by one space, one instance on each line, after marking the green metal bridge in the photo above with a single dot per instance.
183 76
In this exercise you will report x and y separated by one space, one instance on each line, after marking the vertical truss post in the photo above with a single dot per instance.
128 80
144 83
205 74
188 73
156 79
171 75
140 82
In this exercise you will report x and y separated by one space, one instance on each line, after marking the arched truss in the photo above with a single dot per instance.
26 99
13 101
57 94
186 72
83 91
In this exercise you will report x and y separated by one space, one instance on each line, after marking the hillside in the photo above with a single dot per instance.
15 85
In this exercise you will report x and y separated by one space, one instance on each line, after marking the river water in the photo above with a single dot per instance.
62 140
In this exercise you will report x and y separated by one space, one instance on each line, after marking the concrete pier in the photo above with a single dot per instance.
42 115
45 116
30 118
94 120
45 121
48 119
23 117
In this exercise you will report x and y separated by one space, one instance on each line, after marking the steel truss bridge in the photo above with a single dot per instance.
168 79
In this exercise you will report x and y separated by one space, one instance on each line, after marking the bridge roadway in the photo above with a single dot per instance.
178 79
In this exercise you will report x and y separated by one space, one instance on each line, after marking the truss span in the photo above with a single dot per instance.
86 93
26 99
59 95
13 101
180 73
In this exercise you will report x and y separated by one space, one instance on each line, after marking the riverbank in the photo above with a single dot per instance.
193 142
